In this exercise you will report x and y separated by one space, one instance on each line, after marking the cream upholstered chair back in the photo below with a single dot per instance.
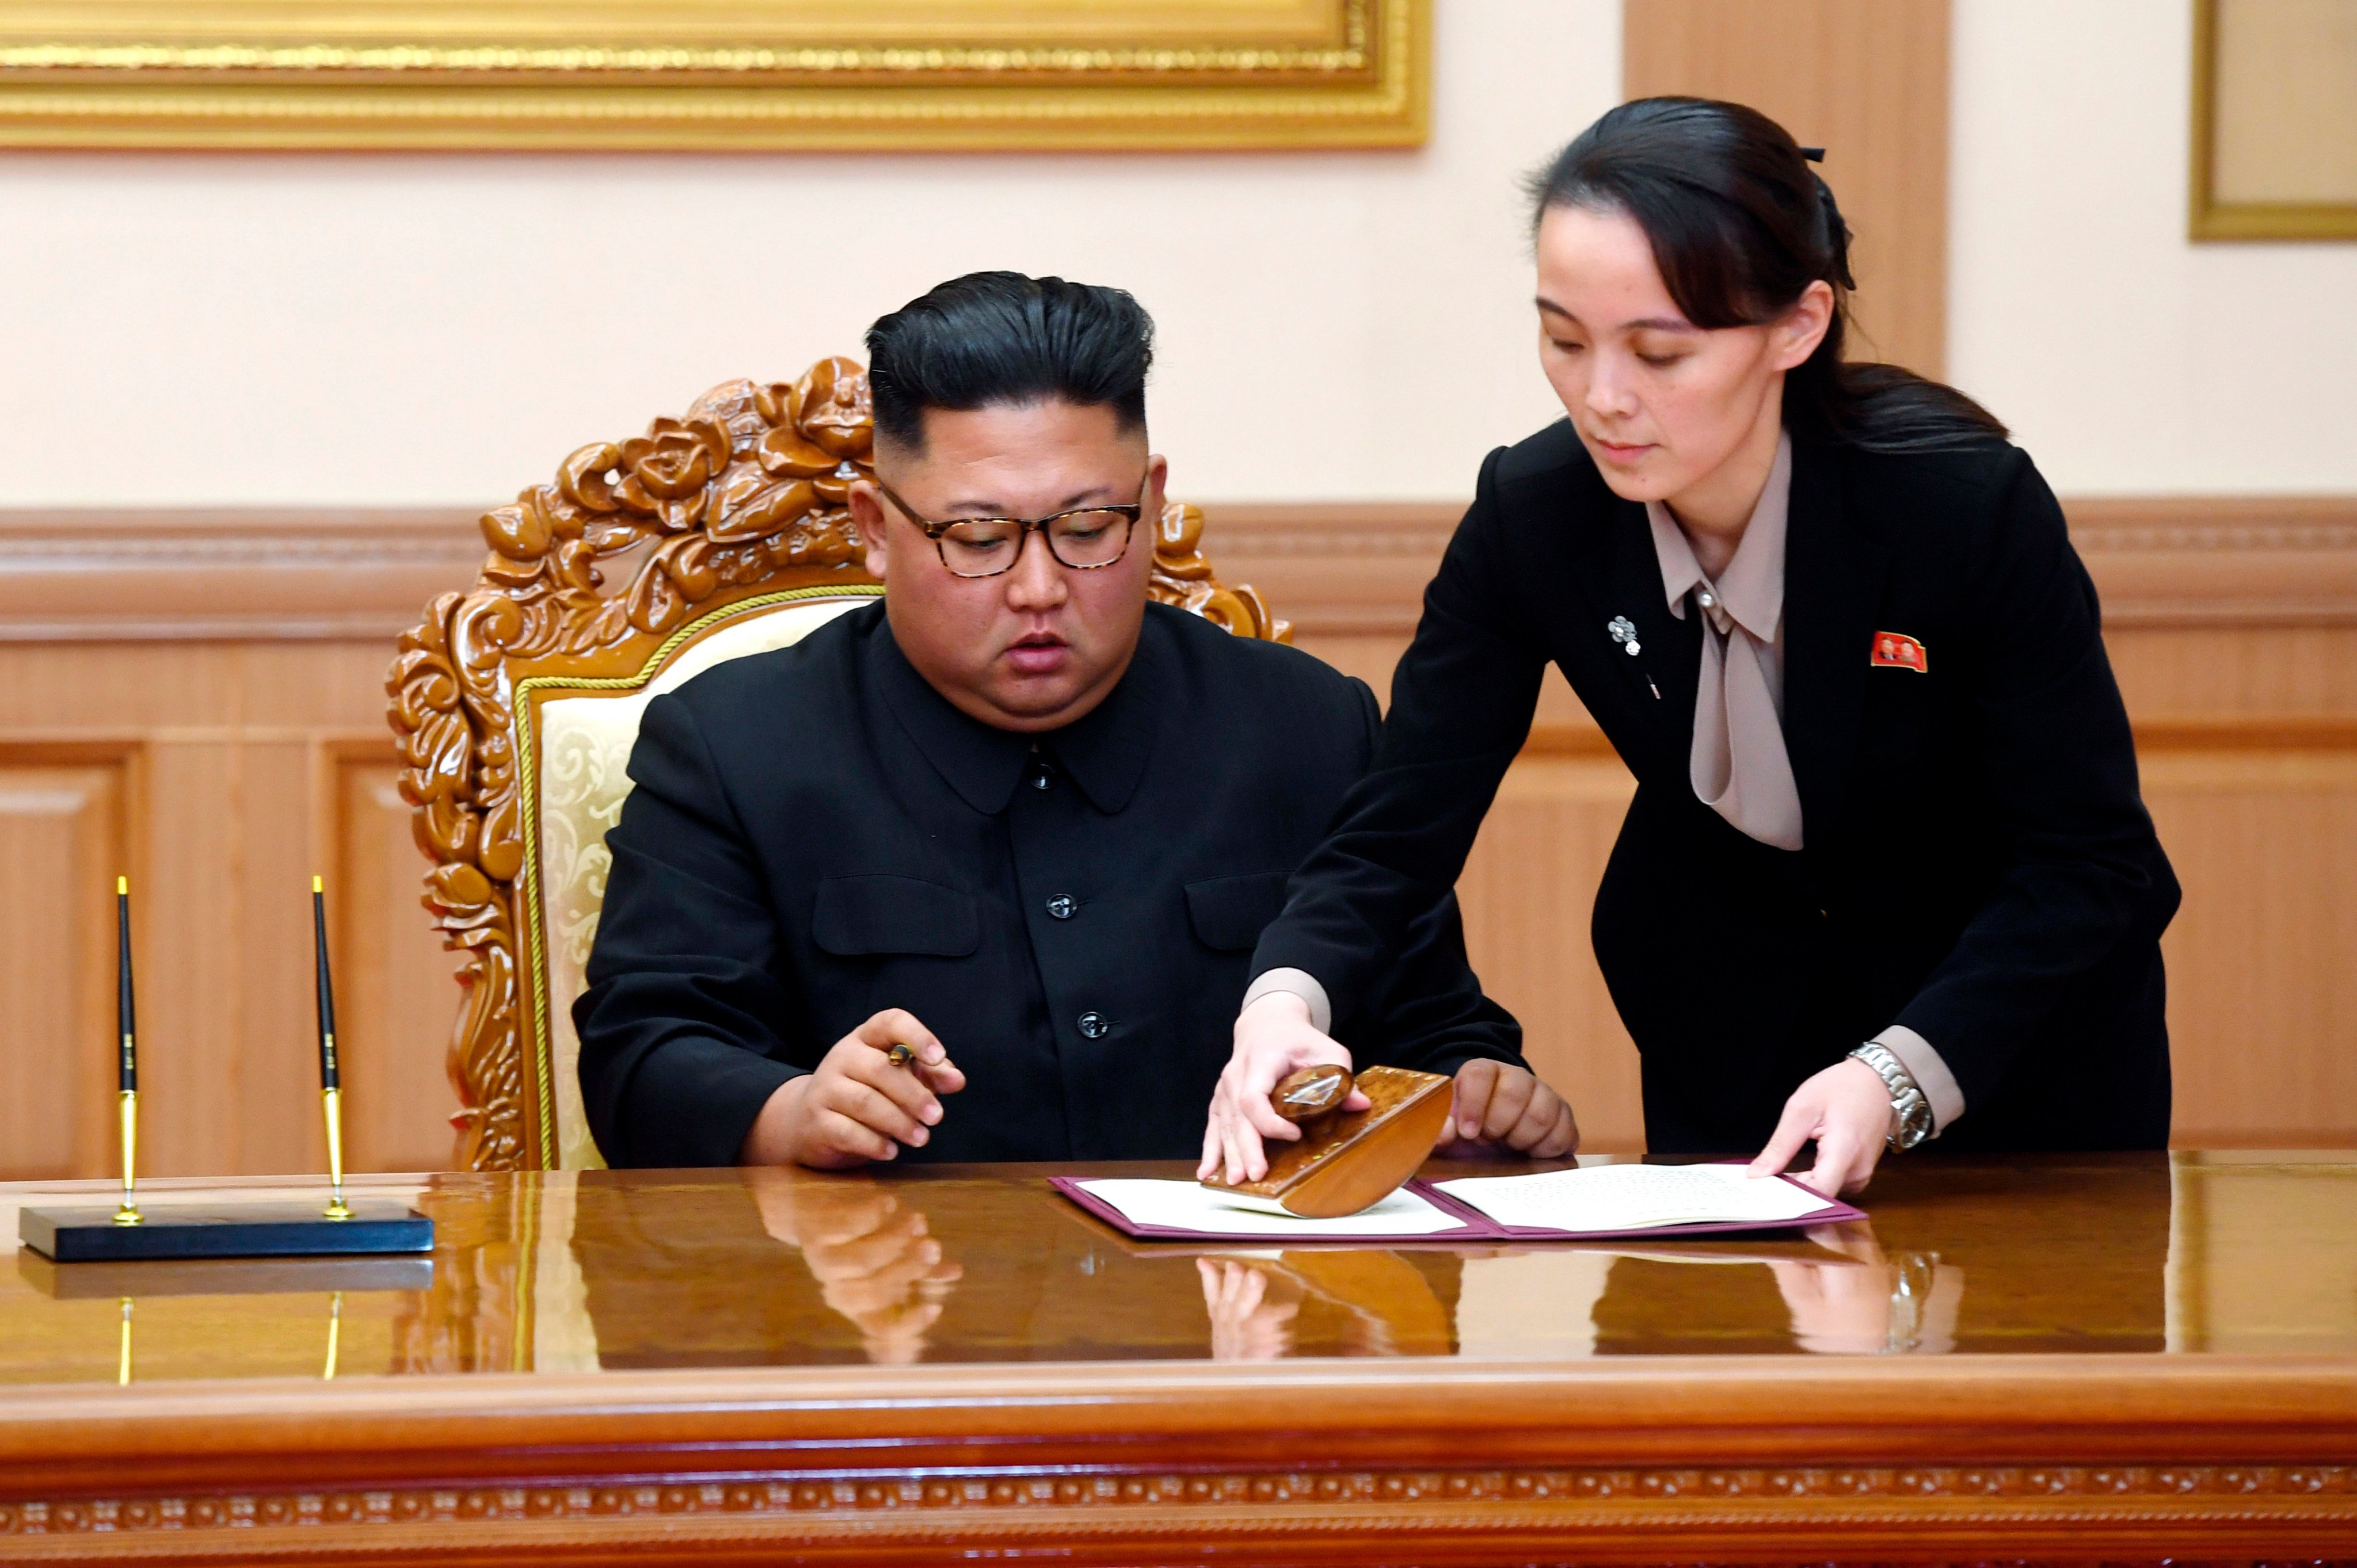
715 535
583 736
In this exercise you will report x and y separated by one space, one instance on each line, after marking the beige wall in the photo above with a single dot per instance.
393 330
397 330
2128 360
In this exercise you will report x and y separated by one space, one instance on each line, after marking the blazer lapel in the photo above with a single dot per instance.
1832 586
1624 581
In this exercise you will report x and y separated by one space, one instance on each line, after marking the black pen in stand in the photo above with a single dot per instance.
330 1082
226 1228
127 1065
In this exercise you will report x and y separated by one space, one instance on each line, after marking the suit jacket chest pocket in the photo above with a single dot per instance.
858 916
1229 912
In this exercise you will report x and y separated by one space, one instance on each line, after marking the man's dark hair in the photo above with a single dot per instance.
991 338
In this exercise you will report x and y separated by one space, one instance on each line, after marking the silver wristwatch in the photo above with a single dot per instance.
1907 1101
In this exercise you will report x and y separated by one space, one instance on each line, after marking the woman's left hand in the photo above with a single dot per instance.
1846 1109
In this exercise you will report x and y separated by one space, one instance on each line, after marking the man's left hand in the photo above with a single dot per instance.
1510 1108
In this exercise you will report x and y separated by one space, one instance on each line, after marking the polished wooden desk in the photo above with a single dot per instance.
2123 1357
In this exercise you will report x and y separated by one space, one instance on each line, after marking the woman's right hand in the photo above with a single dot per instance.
1847 1109
1274 1038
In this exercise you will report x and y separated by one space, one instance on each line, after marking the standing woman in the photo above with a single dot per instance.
1887 875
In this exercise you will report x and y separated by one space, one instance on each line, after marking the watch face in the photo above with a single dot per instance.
1915 1125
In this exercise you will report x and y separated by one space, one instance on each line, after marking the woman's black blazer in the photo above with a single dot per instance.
1978 864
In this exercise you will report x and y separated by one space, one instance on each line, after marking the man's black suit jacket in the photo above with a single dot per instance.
816 835
1978 862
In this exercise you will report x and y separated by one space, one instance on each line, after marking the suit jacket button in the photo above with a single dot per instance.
1061 906
1095 1026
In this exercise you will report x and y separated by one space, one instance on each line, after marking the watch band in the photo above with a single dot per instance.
1907 1101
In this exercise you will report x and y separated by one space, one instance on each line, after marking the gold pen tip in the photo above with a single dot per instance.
316 885
122 886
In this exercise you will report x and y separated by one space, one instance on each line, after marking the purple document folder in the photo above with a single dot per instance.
1477 1226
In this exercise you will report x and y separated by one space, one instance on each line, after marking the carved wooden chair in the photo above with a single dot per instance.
722 533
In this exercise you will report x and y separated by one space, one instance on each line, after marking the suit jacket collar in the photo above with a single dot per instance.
1105 752
1832 586
1660 677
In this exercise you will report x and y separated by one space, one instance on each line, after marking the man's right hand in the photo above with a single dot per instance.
1273 1039
856 1106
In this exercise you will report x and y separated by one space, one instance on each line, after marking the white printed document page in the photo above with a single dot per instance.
1634 1197
1190 1206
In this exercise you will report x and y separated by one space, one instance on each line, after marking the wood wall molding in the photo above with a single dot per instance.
2220 561
247 573
1334 569
1344 569
2157 560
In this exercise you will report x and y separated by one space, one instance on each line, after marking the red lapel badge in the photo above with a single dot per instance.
1899 652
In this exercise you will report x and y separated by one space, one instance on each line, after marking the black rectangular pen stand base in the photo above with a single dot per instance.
225 1229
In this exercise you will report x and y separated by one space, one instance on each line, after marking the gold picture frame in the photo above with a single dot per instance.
2249 122
810 75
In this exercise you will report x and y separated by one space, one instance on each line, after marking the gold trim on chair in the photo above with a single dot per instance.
529 884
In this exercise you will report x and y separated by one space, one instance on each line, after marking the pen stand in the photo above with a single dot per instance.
225 1228
1347 1160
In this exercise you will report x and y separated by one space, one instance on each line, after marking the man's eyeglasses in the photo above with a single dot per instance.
1084 540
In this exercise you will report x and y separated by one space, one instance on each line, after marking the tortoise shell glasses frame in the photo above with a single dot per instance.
1075 539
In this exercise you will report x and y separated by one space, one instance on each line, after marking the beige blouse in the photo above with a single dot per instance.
1738 763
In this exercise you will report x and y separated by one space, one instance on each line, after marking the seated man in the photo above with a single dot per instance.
1014 814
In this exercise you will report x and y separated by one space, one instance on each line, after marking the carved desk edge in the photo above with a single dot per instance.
2077 1452
1659 1407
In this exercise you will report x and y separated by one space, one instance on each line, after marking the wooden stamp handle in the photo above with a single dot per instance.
1311 1093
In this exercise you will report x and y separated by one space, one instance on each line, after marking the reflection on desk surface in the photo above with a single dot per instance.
2191 1253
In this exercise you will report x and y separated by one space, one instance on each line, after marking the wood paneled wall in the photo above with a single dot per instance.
197 698
1865 79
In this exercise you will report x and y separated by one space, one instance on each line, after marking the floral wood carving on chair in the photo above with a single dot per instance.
588 575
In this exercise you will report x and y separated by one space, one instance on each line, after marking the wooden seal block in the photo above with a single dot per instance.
1347 1160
